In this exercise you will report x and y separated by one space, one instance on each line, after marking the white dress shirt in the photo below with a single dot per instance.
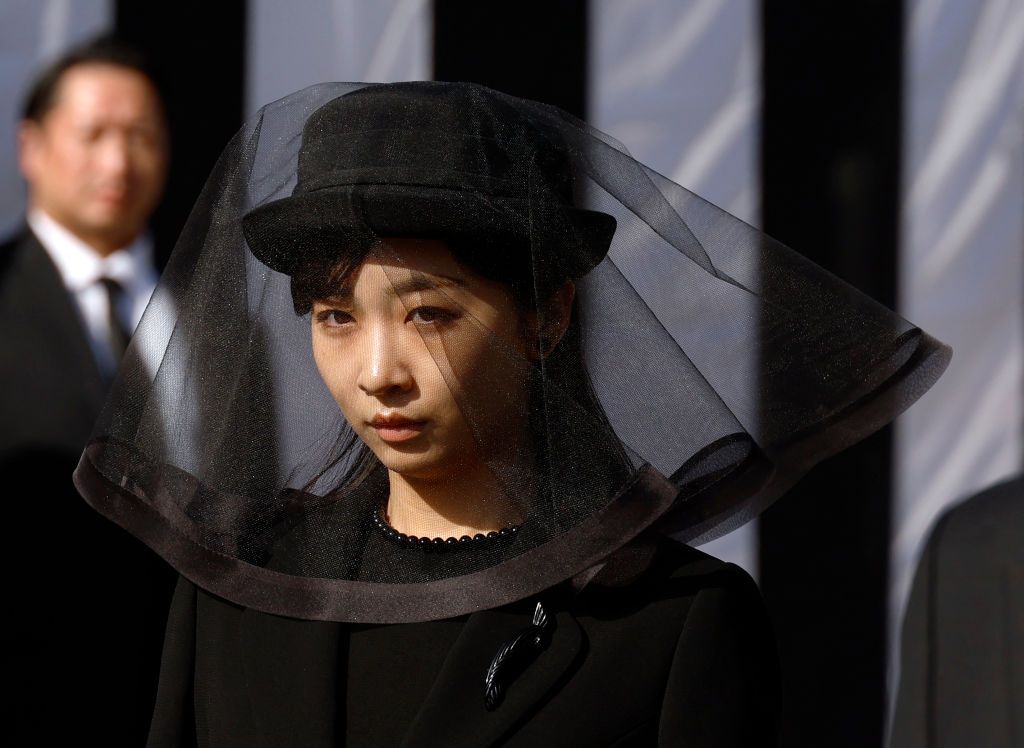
81 269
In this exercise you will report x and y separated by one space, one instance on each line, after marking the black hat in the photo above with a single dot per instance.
456 163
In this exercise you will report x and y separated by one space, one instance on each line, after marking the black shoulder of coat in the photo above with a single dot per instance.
682 560
671 561
669 574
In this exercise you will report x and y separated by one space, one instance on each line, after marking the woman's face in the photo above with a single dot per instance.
426 358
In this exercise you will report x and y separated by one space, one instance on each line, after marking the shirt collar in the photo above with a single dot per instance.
80 266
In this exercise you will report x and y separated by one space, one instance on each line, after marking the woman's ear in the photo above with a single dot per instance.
549 323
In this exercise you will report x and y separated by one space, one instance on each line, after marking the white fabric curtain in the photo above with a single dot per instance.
296 44
679 85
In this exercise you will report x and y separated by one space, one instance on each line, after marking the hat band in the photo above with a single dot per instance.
410 177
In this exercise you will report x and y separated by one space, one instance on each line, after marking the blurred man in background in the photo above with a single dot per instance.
93 150
90 601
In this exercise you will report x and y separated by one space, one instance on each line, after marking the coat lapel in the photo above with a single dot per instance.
46 361
60 309
54 313
453 712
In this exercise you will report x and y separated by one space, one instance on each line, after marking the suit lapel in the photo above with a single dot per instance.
53 387
453 712
60 316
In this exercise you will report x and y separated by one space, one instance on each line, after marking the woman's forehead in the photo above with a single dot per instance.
400 266
407 265
397 280
432 257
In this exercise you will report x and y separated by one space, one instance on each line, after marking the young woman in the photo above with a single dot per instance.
432 374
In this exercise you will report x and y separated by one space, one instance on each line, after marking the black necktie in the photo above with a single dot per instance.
117 332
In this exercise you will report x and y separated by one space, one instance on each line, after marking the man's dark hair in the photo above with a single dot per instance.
102 50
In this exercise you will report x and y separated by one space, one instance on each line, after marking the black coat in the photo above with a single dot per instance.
92 600
683 655
962 655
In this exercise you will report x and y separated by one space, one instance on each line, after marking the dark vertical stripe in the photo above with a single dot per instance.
198 51
531 48
830 171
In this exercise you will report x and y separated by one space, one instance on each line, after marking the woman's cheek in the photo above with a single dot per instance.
340 382
345 393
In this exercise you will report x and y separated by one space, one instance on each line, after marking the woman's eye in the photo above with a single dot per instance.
333 318
429 315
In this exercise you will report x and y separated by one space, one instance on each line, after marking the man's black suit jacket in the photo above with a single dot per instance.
89 601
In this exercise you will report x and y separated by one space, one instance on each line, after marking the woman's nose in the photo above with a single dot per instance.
384 368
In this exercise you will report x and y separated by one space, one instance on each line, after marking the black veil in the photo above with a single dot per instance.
704 369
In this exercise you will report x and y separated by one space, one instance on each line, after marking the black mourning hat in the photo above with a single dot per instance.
429 160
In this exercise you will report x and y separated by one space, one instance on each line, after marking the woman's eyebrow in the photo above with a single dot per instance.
412 284
339 296
423 282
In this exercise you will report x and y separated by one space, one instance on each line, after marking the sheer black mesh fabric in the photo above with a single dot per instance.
705 366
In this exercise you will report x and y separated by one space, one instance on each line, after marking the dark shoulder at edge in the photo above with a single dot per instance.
11 246
991 519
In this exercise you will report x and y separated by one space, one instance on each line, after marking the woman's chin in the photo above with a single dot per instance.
420 464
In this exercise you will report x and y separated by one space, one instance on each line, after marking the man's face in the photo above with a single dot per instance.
97 161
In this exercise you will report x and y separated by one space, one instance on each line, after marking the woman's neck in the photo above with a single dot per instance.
470 503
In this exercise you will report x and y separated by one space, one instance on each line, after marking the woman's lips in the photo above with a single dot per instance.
392 429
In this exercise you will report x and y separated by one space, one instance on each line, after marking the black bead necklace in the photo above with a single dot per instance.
440 544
